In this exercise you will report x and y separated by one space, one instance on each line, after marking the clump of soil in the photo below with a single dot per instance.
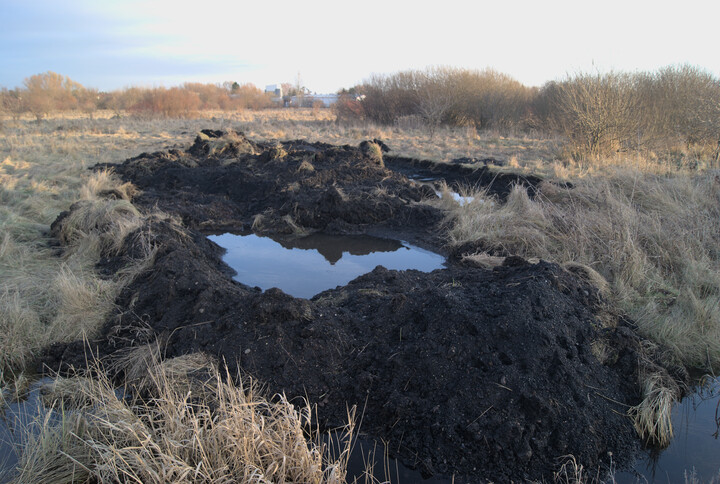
485 374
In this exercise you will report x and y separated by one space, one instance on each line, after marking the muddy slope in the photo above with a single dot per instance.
487 374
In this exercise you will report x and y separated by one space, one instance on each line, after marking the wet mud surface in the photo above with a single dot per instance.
484 374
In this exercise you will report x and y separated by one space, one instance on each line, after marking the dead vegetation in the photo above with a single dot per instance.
193 424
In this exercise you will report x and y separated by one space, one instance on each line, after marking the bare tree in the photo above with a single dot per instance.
87 100
598 112
49 91
435 98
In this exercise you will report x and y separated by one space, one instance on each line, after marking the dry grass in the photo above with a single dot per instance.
46 297
232 434
654 239
652 416
650 243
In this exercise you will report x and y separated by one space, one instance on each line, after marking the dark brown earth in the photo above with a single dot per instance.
485 374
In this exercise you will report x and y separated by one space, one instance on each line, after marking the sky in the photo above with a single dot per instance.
109 44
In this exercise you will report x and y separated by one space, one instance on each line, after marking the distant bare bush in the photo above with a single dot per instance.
170 103
248 96
684 106
673 108
490 99
597 112
349 107
435 97
389 97
11 103
182 101
443 95
49 92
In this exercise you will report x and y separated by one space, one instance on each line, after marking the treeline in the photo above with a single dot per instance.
597 113
50 92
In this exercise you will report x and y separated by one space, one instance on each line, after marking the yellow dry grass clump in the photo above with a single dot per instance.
193 425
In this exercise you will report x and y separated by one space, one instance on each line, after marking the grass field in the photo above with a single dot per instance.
645 227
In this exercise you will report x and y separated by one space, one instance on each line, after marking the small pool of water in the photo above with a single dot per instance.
370 461
18 417
695 446
461 200
306 266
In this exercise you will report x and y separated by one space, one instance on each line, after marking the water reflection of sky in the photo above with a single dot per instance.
694 446
304 272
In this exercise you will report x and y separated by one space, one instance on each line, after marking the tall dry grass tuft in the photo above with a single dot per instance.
110 219
104 184
652 417
232 433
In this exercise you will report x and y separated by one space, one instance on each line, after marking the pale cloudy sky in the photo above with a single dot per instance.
334 44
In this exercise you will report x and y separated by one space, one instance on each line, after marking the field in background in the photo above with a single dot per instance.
646 225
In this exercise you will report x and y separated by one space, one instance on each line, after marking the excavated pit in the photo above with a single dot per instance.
481 374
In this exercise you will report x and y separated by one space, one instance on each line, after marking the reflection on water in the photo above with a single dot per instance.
695 446
332 247
304 267
17 418
369 461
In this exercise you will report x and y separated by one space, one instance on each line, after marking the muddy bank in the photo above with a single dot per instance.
226 181
485 374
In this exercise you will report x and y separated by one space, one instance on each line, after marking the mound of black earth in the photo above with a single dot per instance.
226 180
477 373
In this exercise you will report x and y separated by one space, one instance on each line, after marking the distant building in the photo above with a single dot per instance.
275 90
327 99
308 100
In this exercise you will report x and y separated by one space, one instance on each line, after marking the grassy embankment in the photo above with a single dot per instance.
649 228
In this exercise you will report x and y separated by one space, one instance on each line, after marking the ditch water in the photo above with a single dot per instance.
306 266
430 181
18 417
694 450
369 462
695 447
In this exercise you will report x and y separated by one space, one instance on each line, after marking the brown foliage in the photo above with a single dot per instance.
485 99
48 92
170 103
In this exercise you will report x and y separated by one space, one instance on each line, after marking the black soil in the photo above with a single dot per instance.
485 374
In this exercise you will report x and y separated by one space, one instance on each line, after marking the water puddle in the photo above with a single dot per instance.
461 200
431 182
369 462
423 178
17 418
306 266
695 448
